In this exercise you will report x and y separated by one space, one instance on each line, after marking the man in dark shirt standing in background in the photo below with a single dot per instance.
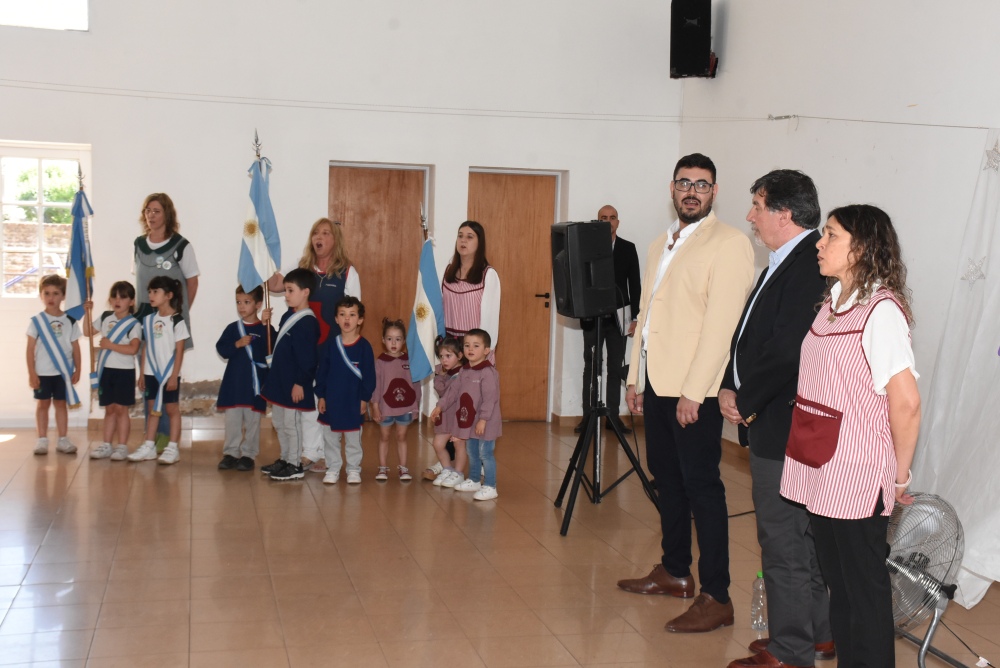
614 327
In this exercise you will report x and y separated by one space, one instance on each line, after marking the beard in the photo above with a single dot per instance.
688 216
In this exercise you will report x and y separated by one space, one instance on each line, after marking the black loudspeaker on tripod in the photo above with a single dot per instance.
584 277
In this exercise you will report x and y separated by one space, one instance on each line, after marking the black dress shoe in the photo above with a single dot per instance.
578 429
228 462
621 425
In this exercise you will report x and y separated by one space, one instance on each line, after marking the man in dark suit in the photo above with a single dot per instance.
758 389
615 328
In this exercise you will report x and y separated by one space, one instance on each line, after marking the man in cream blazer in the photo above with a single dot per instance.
697 277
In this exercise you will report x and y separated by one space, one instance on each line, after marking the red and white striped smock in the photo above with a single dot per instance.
473 306
834 374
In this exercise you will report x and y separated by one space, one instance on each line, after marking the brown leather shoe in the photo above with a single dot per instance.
705 614
825 651
764 658
659 581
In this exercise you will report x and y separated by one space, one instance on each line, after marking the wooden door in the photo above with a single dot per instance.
379 210
517 212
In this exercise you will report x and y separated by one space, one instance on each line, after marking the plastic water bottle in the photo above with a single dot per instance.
758 605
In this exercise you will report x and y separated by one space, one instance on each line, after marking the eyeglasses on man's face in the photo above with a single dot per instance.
702 187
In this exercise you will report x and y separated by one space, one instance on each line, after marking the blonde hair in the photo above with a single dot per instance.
339 263
169 214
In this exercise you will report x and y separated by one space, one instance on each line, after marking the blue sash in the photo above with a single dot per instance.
253 364
159 374
285 328
347 360
116 336
63 365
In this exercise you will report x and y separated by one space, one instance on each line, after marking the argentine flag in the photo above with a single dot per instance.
427 319
79 263
260 253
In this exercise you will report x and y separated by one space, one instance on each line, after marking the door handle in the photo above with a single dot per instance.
544 295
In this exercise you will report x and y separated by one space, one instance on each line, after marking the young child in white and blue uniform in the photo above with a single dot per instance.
53 363
121 336
164 334
243 345
345 383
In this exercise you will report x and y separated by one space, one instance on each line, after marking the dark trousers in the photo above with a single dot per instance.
798 607
614 343
685 463
852 556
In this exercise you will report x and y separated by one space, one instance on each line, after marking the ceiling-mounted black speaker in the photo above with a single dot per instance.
691 39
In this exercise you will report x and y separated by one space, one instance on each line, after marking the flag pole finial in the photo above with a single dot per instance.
256 143
79 175
423 220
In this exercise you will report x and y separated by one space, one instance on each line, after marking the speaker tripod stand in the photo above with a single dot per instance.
591 437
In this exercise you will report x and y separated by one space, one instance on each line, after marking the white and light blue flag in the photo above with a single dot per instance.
427 319
79 263
260 253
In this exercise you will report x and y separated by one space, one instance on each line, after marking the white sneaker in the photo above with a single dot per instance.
103 451
433 471
454 478
441 477
485 493
63 445
171 454
143 453
42 447
120 453
331 477
353 478
469 485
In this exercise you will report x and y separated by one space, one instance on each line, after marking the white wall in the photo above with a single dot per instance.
169 100
899 61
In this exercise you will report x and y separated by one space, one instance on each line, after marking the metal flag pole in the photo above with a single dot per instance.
267 287
423 220
89 297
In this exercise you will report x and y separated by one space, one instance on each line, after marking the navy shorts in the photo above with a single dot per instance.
52 387
169 397
403 419
117 386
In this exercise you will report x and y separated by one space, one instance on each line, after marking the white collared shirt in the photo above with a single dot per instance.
665 258
774 259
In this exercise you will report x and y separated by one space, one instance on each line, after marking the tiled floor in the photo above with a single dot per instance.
115 564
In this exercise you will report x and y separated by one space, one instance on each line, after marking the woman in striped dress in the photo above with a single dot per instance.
471 287
855 424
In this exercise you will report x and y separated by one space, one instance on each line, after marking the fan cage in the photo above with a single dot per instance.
926 543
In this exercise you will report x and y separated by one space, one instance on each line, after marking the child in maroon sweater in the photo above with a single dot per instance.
475 399
396 399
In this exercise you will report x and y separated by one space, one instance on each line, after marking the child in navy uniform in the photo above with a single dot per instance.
450 473
397 397
121 336
53 363
475 400
243 345
289 385
344 385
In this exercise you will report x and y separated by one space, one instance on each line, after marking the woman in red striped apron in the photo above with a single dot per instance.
855 424
471 287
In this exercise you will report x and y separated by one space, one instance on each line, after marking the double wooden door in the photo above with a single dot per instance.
378 209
